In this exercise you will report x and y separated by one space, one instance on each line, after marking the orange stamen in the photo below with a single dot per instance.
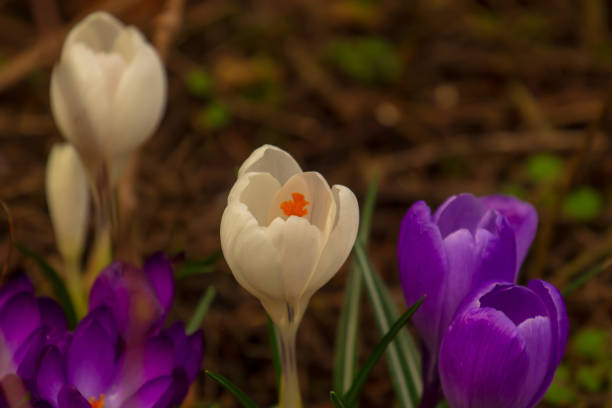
97 404
295 206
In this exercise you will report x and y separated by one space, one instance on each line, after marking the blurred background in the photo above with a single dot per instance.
436 97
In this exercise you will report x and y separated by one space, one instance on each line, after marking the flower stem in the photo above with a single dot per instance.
75 288
289 393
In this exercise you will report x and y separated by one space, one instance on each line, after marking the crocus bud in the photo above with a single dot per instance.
284 232
503 347
108 91
68 200
468 241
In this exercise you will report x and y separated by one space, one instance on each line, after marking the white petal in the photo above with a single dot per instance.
321 207
299 245
128 42
79 100
341 239
271 159
139 101
67 199
97 31
250 253
256 191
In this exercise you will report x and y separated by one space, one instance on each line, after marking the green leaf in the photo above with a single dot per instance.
544 167
582 279
353 394
402 354
59 289
214 116
203 305
583 204
590 378
560 392
345 355
371 60
337 400
236 392
194 267
199 83
276 359
591 344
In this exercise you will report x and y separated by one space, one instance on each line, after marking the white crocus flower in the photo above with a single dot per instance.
108 92
285 233
68 202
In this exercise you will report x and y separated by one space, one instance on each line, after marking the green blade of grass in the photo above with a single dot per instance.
59 288
276 360
194 267
337 400
203 305
244 399
401 353
353 394
345 355
585 277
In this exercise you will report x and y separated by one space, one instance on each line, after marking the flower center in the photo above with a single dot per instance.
295 206
97 404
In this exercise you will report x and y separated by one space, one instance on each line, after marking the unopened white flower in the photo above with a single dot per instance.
284 232
108 91
67 199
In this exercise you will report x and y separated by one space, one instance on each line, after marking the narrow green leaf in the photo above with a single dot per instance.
236 392
193 267
353 394
337 400
203 305
584 278
345 356
276 359
59 289
402 355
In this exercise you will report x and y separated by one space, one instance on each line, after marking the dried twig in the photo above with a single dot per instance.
9 250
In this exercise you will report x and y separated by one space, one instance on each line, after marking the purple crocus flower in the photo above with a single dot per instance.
468 241
503 347
138 298
98 369
27 324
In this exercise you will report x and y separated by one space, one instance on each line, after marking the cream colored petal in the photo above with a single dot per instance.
97 31
321 207
341 240
128 42
67 199
250 253
139 102
271 159
79 100
299 244
256 191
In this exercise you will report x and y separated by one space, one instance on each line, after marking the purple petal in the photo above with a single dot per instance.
496 254
462 211
128 293
28 355
559 327
150 394
188 350
91 358
516 302
522 217
16 285
178 390
483 361
52 315
141 364
423 269
70 397
51 375
19 317
12 392
536 332
159 271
